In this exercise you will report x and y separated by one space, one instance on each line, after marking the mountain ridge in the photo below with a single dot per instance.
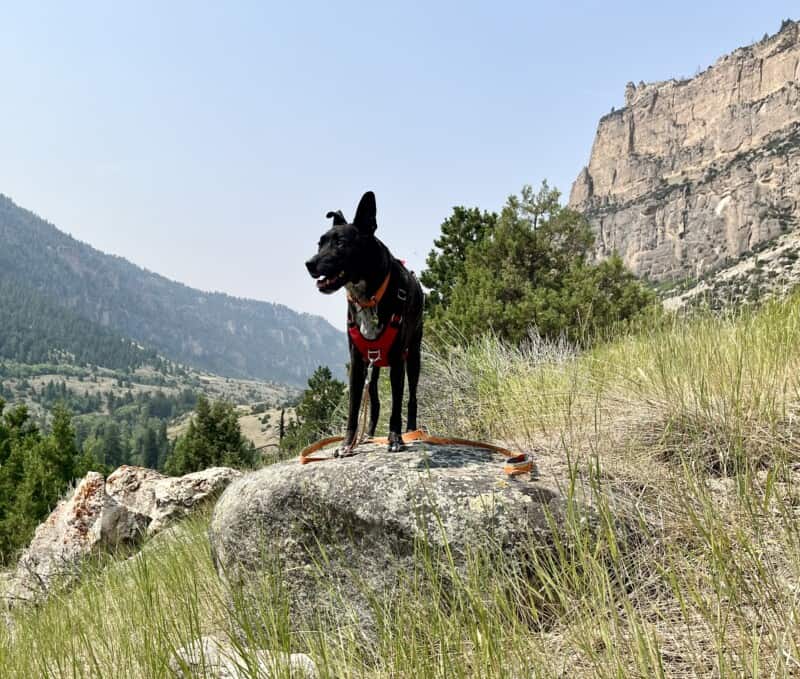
228 335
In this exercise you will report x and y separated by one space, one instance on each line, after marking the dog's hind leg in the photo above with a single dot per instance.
413 365
397 376
374 401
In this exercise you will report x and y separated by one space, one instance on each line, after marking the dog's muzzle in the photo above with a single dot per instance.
325 283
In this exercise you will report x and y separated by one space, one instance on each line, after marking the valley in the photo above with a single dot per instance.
88 390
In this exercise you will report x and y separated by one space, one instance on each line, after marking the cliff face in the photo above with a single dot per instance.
692 173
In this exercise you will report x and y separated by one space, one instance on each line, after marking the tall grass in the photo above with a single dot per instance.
691 427
684 438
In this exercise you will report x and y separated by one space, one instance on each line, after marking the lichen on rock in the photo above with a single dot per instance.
102 514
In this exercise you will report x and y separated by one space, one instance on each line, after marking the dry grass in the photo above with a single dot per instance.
685 436
693 427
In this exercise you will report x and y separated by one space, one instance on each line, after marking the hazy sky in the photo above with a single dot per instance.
206 141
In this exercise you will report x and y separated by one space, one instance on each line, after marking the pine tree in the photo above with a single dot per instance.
214 437
316 410
35 472
534 270
459 232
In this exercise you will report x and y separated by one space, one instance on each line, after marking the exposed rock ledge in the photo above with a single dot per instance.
102 514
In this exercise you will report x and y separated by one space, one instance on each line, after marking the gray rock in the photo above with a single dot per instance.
100 515
215 659
85 520
693 173
362 517
165 498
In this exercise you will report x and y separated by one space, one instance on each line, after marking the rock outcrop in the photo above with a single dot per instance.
76 528
692 173
103 514
344 532
163 499
769 271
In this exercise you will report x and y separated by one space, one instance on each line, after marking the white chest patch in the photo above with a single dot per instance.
366 318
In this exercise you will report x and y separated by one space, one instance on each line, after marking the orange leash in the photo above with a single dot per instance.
516 463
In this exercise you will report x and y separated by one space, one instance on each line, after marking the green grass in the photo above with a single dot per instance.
685 436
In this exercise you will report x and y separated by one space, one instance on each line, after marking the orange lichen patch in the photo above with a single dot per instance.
87 503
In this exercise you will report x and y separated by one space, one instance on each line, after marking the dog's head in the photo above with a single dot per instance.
338 260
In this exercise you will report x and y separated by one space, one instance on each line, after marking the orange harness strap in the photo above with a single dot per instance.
515 465
377 297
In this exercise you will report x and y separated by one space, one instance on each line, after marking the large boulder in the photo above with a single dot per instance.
362 518
101 514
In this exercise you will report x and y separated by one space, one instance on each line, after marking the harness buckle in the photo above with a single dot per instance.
373 355
402 295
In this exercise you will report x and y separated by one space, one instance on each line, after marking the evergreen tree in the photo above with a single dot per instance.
65 449
213 438
315 412
533 270
459 232
35 471
112 453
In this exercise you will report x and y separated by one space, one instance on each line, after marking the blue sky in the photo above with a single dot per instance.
206 141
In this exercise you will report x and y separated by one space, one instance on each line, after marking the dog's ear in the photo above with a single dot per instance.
338 217
365 214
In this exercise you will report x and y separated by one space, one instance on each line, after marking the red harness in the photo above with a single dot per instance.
376 351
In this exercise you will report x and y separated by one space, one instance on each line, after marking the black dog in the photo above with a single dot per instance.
384 315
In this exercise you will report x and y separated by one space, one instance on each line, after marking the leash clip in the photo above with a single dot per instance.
373 356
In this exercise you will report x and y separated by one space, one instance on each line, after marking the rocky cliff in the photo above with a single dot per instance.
690 174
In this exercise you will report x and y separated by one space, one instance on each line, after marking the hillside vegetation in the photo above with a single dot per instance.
686 430
59 421
210 331
36 330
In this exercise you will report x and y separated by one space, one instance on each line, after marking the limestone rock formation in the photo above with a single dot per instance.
344 531
77 527
769 271
692 173
102 514
165 498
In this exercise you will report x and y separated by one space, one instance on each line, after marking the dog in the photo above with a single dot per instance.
384 315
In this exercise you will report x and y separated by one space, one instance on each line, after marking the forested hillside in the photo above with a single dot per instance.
211 331
35 330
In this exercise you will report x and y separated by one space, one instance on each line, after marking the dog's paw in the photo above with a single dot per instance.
395 442
347 449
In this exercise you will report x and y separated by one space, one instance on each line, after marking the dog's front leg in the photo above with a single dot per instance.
397 376
358 374
374 401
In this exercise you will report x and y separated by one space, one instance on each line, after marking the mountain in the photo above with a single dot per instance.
691 174
35 330
211 331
